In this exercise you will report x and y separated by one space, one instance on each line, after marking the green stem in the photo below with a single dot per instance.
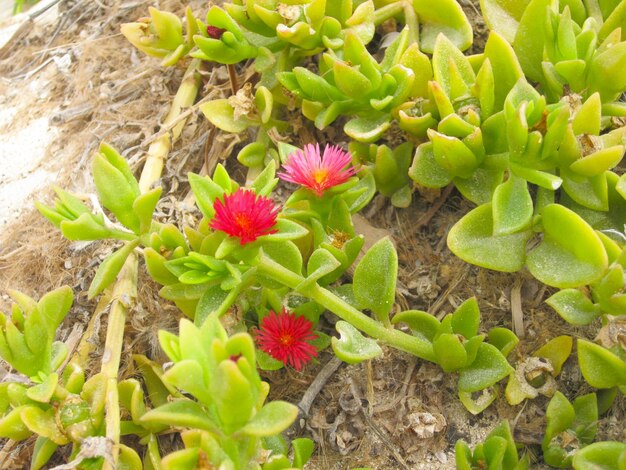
411 344
246 279
388 11
412 22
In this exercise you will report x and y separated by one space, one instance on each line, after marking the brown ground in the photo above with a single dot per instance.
362 416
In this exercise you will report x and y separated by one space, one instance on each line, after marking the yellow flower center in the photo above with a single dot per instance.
243 221
320 175
286 339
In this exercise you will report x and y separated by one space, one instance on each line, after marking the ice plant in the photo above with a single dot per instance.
316 171
245 215
285 336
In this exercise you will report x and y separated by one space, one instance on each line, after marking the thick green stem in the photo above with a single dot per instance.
388 11
412 22
411 344
410 17
246 280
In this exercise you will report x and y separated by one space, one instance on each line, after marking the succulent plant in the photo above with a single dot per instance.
354 83
389 168
570 427
607 293
458 347
161 35
607 454
227 418
566 57
224 41
498 452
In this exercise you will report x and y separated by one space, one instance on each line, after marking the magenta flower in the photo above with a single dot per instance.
318 172
285 337
245 215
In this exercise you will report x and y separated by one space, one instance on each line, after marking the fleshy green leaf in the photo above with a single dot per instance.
557 351
489 367
375 277
273 418
609 455
503 339
183 413
144 206
503 16
512 207
222 115
425 170
449 351
600 367
574 307
116 187
287 230
352 347
446 19
466 318
367 129
110 268
472 240
571 254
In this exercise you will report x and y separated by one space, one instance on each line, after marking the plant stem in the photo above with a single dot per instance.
125 289
411 21
232 77
399 340
124 293
388 11
159 149
245 282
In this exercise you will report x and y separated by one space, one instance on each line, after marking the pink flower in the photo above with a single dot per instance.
318 172
245 215
285 337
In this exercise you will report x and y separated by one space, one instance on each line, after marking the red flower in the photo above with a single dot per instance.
318 172
214 32
285 337
245 215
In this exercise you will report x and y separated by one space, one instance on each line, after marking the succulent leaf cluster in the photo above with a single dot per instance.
498 451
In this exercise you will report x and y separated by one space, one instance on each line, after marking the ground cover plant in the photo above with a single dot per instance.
530 131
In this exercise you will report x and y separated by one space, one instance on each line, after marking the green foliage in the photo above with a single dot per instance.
608 455
498 451
570 426
602 367
161 35
27 337
227 419
375 279
538 159
389 168
556 49
354 83
352 347
59 409
458 347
